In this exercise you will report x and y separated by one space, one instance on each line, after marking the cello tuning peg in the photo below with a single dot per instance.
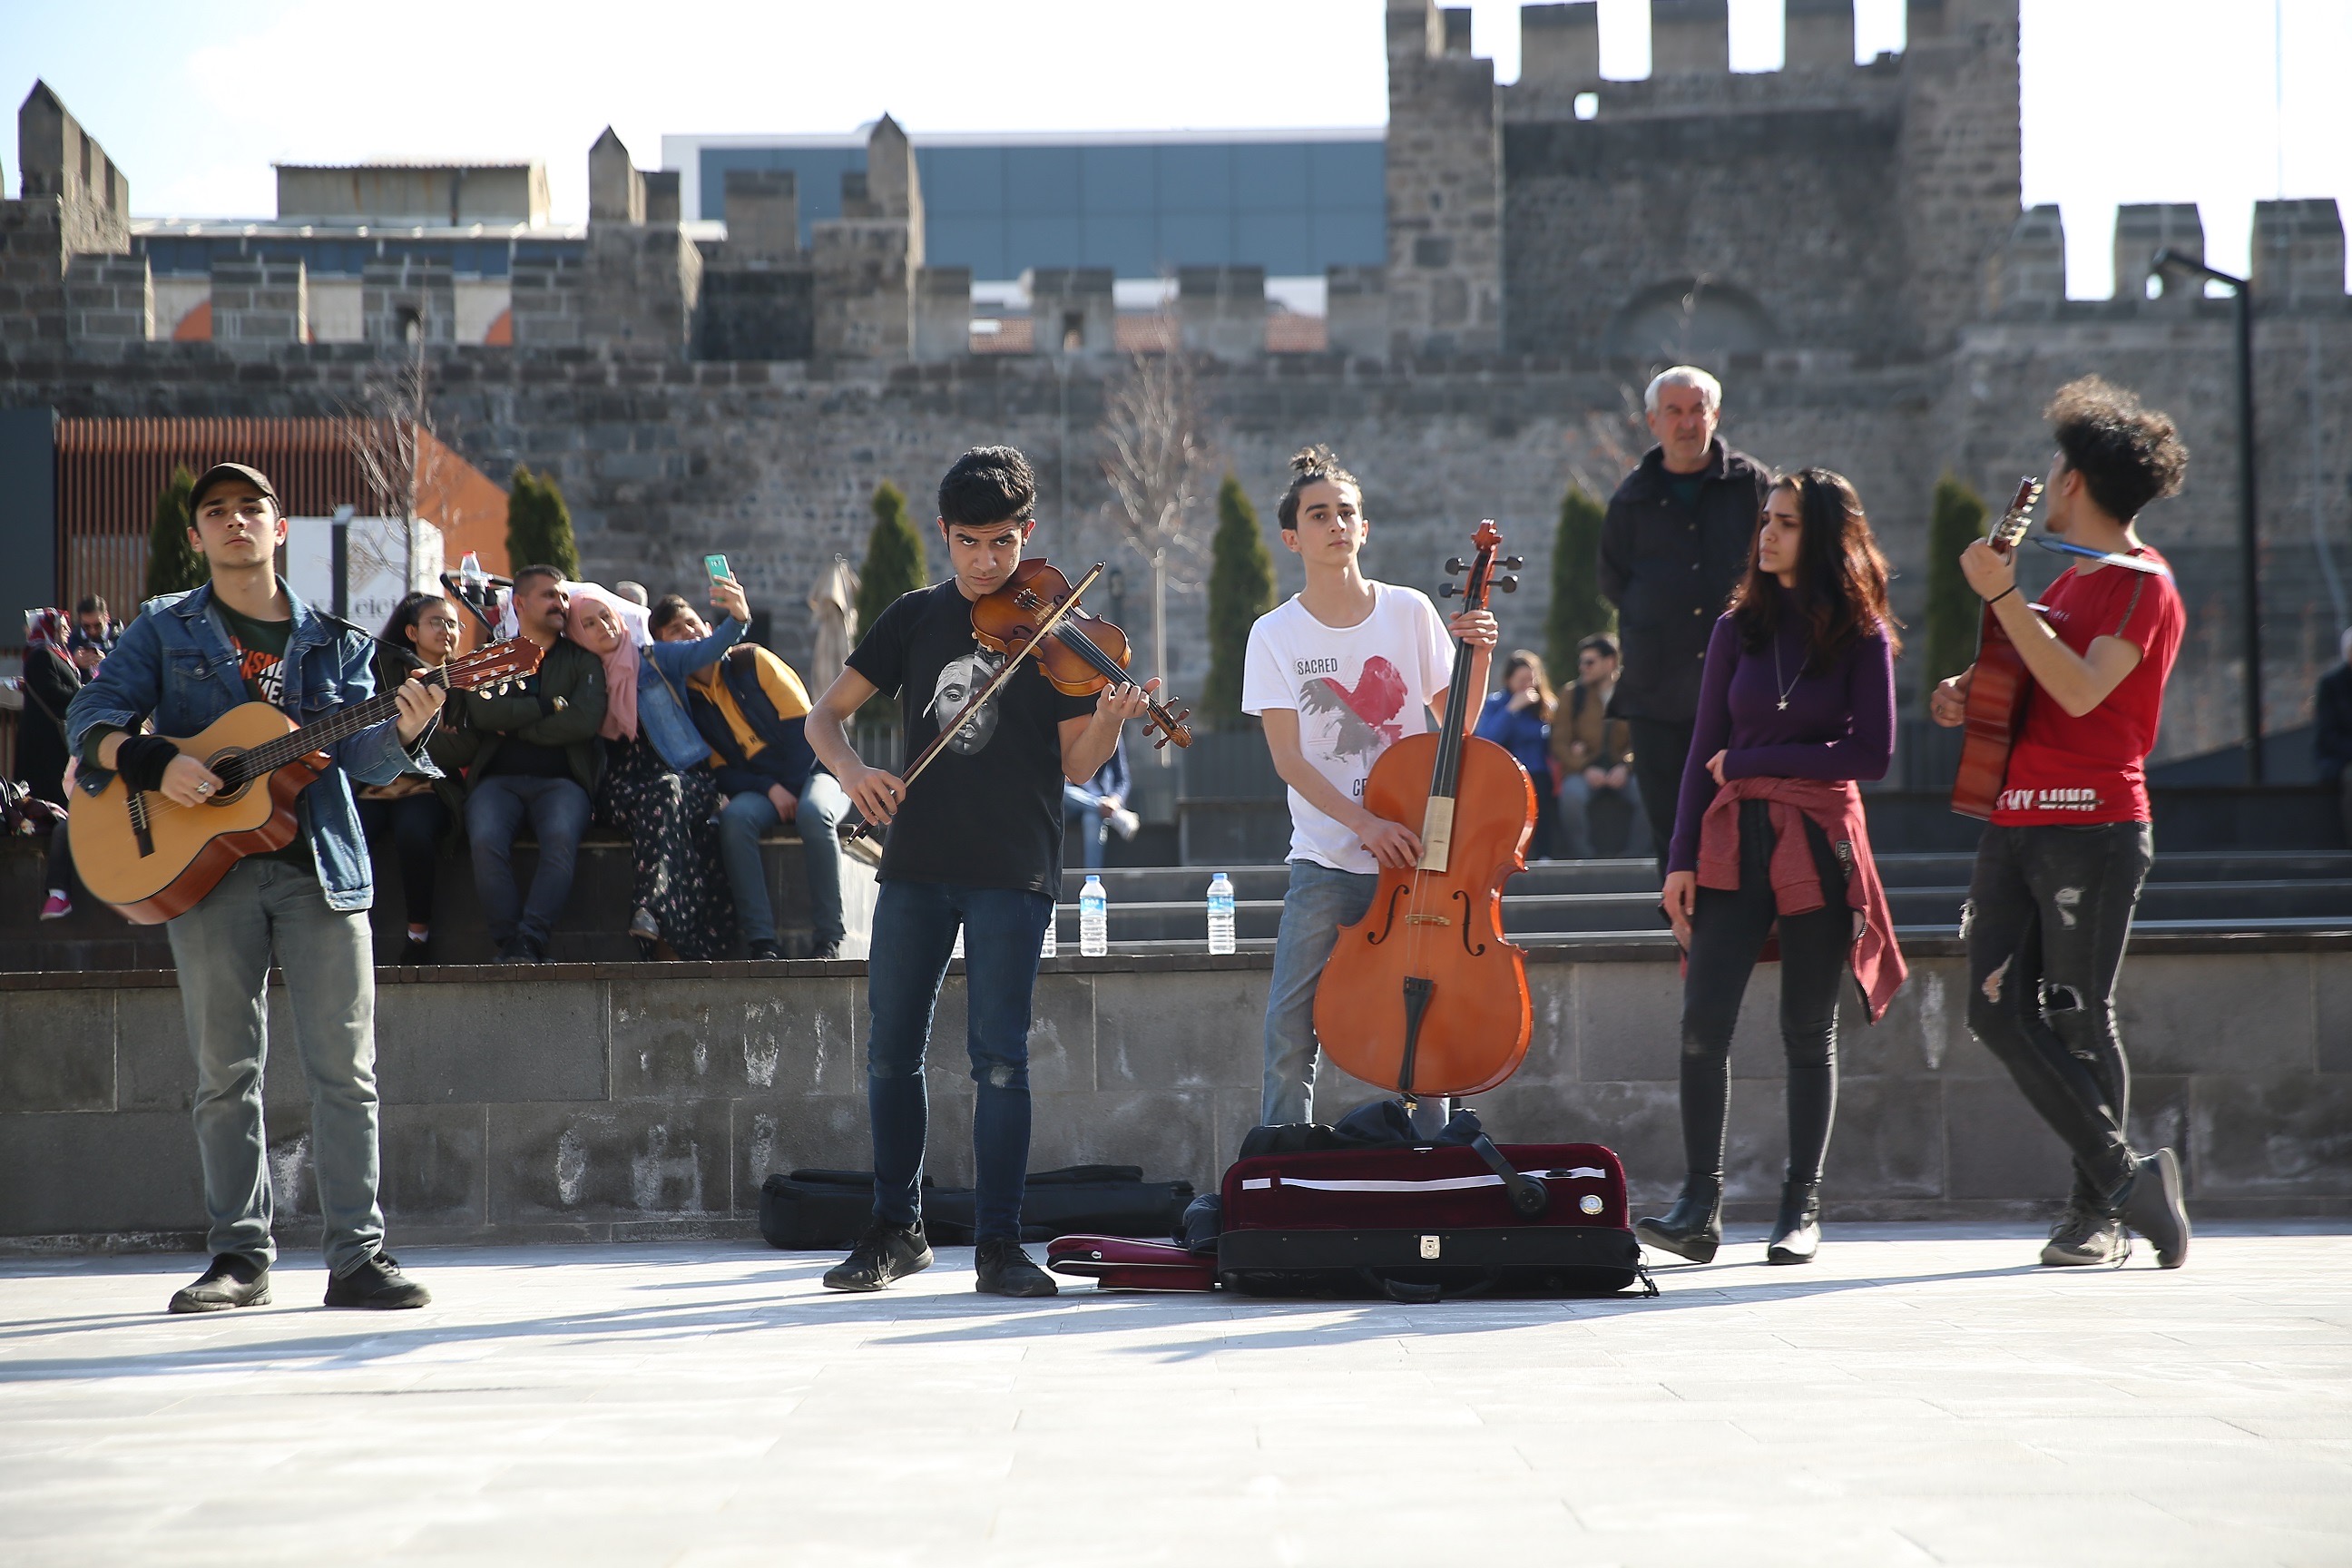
1454 564
1513 562
1448 590
1508 585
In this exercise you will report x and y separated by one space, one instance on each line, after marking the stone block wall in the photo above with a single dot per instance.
257 304
409 294
1446 291
1221 311
59 161
614 1101
1074 310
109 299
32 273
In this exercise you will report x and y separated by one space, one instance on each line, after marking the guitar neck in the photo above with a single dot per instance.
340 725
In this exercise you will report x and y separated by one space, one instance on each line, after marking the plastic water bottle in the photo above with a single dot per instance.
1094 919
1051 945
1221 914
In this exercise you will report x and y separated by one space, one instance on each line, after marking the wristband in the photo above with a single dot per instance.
142 759
2004 594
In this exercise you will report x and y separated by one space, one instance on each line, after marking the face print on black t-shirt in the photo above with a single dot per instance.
960 680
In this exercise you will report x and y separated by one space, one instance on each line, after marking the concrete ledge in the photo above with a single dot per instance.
601 1101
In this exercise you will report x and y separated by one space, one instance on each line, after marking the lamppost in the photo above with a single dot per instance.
2241 293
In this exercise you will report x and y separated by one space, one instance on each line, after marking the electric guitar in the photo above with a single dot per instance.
1999 687
150 857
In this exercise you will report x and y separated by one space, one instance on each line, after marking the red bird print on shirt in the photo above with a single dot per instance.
1366 714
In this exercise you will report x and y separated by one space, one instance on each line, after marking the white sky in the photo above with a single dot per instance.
2123 100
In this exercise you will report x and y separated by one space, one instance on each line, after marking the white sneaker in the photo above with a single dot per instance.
1124 823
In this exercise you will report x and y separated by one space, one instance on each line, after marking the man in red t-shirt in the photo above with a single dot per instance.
2059 867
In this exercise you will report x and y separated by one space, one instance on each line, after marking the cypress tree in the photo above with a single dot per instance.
894 556
1577 610
173 564
539 525
1955 520
893 567
1241 589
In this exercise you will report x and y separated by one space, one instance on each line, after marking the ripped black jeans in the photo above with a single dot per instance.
2049 910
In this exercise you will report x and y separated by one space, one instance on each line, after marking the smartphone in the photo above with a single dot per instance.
717 566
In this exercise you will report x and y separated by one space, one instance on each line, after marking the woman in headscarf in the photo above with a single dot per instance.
50 683
656 788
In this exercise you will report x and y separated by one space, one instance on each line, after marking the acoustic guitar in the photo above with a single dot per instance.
150 857
2000 687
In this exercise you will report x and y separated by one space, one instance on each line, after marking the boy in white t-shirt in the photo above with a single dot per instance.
1339 674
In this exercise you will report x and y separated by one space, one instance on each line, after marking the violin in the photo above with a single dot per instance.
1080 654
1424 996
1037 613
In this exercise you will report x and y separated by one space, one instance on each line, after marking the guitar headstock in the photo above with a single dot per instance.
2019 517
500 665
1481 569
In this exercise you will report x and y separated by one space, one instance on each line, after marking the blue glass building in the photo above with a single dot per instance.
1293 204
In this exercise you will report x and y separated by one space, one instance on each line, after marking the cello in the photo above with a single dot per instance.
1424 996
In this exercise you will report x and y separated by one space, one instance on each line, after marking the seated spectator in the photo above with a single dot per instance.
1097 808
750 708
51 678
2331 730
1593 753
1518 719
414 813
667 811
536 756
93 635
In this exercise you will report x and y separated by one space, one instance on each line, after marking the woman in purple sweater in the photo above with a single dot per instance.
1797 702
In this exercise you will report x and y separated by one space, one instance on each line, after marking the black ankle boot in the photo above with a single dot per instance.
1797 1234
1693 1228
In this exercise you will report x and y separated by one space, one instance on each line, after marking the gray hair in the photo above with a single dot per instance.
1682 375
2343 644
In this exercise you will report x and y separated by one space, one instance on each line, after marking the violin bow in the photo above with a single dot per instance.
972 708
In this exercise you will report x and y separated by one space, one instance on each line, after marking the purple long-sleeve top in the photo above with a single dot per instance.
1839 724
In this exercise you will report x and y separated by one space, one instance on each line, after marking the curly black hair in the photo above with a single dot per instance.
2128 454
988 485
1312 466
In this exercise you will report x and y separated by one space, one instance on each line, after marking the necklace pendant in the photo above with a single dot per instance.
1784 704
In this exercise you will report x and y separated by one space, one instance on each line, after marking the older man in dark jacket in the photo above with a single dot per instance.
1672 547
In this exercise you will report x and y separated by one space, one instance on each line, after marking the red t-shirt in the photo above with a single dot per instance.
2093 769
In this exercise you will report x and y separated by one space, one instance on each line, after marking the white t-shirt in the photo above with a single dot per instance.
1358 690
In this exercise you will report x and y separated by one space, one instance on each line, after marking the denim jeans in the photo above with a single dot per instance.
1727 930
1318 901
223 948
495 810
915 926
1083 827
823 804
1576 818
2048 911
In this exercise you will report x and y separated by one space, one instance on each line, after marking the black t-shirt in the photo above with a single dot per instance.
517 758
988 812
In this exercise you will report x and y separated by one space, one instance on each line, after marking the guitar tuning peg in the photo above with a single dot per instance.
1507 585
1454 564
1448 590
1513 562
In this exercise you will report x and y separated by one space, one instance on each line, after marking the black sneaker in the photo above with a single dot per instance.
234 1280
2086 1237
765 953
377 1283
827 951
886 1252
2153 1208
1006 1271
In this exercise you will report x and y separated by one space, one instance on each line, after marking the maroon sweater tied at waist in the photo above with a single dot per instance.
1835 808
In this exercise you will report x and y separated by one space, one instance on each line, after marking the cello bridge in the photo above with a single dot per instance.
1427 920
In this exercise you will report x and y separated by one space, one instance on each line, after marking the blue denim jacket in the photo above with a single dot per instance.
177 664
662 670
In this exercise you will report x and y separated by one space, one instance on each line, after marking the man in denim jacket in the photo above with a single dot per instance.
186 660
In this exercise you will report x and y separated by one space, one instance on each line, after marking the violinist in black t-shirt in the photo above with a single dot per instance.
975 845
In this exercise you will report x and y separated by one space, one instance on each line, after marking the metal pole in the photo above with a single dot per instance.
2249 535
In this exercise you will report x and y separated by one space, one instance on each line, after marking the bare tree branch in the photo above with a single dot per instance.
1155 460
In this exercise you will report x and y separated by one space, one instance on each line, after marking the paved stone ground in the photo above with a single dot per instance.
1924 1395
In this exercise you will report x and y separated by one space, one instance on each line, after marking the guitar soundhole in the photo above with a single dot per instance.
229 768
